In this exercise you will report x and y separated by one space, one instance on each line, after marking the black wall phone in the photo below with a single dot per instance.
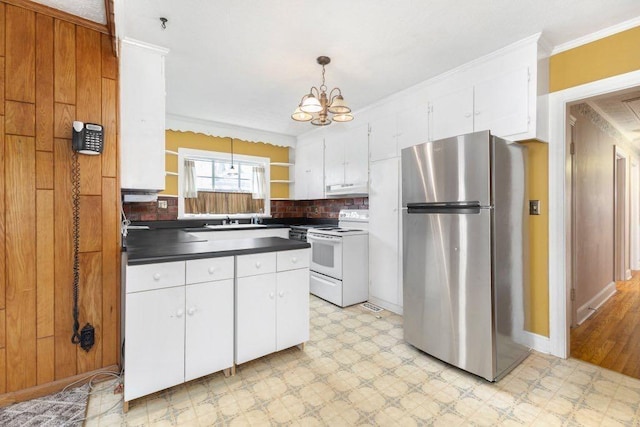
88 138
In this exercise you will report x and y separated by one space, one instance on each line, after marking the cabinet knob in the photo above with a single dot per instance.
467 115
156 276
191 311
258 264
281 293
271 295
294 260
477 113
212 270
179 313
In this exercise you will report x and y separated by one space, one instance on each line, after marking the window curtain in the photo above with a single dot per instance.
259 183
190 189
209 202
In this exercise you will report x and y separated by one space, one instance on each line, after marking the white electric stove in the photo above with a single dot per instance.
340 259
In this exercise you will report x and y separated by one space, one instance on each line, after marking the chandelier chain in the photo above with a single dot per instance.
323 87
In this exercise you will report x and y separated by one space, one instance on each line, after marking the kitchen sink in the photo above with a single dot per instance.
234 226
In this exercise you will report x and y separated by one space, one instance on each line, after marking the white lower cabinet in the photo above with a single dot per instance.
272 304
209 328
154 341
181 331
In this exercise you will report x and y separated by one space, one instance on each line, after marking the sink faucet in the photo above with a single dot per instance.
226 221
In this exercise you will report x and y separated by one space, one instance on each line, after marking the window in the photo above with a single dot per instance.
218 188
221 175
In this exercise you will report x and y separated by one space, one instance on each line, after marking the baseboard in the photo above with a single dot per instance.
52 387
394 308
595 303
536 342
627 275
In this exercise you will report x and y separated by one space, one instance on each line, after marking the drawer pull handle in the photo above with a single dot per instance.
294 260
258 264
179 313
281 294
156 276
271 295
212 270
192 311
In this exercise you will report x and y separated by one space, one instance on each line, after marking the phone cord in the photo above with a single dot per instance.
75 191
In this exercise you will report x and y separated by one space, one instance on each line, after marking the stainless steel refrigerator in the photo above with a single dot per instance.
464 222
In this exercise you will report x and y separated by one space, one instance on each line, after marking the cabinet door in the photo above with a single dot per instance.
334 158
451 114
356 155
255 316
209 328
383 143
154 344
384 232
292 315
413 127
502 104
309 169
142 117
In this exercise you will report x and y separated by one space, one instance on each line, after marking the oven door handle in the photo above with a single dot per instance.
329 239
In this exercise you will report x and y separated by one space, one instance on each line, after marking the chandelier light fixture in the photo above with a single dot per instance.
316 105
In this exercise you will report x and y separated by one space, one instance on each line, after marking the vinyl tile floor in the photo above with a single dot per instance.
357 370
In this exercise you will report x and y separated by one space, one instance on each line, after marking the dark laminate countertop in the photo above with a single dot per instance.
149 246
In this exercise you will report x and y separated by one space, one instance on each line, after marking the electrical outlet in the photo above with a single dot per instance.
87 337
162 204
534 207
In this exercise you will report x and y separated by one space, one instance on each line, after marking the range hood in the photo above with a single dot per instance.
347 190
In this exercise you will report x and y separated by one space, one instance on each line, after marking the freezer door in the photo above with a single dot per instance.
447 288
448 170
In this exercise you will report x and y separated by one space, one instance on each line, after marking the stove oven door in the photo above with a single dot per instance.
326 254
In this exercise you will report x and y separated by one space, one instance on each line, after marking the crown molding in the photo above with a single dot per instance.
605 32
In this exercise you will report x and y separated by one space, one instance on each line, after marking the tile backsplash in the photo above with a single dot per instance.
325 208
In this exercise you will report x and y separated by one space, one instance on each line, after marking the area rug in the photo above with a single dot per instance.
66 408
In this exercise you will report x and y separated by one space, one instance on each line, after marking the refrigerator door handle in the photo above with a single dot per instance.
451 210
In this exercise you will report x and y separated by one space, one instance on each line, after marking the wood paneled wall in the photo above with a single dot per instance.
51 73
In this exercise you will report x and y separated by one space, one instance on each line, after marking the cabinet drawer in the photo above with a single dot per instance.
209 269
154 276
291 260
250 265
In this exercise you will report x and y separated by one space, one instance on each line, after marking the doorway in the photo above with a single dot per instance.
622 272
560 254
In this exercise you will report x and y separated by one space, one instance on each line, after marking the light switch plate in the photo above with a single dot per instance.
162 204
534 207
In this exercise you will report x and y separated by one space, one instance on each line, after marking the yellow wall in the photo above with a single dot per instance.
198 141
537 296
613 55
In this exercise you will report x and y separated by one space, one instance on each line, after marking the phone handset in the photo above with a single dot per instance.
88 138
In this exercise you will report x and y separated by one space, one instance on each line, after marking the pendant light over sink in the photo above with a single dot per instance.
316 105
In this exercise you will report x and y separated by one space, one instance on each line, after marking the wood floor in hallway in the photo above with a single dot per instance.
611 337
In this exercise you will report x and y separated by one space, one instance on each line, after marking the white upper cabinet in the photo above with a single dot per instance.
390 133
383 139
142 116
309 169
451 114
346 159
504 92
501 104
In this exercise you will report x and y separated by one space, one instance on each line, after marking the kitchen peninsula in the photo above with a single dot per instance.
195 305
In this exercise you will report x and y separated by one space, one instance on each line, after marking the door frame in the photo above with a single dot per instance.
621 160
634 191
560 207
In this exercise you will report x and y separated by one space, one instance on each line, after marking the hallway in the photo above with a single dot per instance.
611 337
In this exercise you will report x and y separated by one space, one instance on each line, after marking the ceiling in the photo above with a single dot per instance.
248 62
